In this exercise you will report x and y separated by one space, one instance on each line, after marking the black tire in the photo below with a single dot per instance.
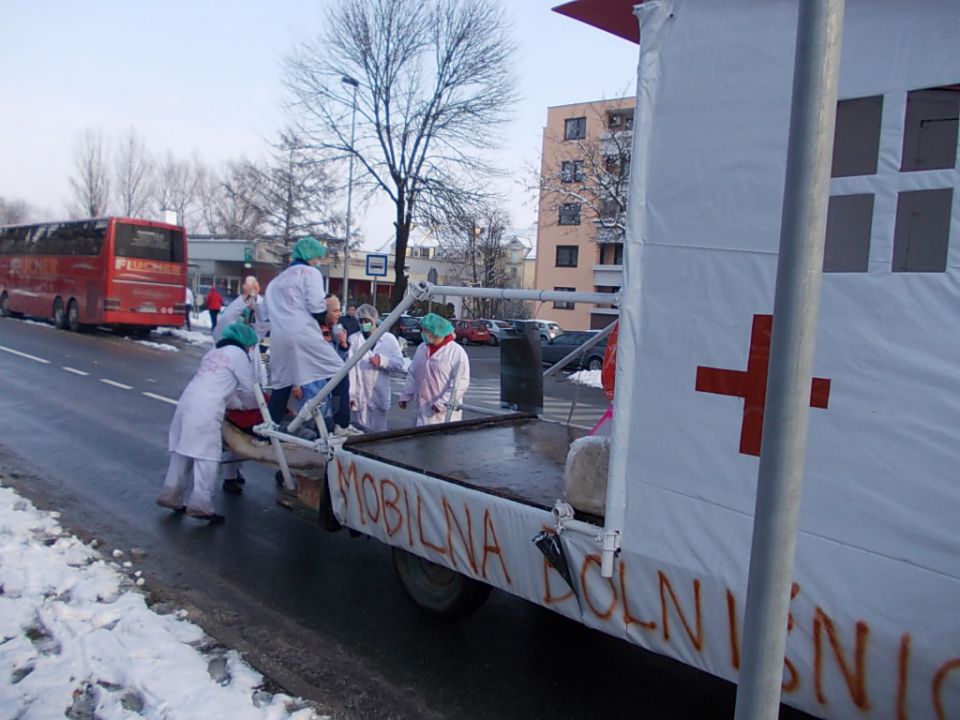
59 315
73 316
4 305
493 340
437 590
464 341
595 363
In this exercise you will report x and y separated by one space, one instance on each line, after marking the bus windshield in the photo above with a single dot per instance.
148 243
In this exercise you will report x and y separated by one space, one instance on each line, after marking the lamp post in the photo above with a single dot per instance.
347 80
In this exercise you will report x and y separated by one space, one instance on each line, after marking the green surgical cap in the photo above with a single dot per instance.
241 332
436 325
308 248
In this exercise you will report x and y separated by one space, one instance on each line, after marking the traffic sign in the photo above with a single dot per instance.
376 265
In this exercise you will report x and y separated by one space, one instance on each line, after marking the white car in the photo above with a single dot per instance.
498 329
547 329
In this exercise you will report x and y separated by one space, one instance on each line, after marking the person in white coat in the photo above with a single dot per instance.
439 374
370 377
224 379
248 309
295 304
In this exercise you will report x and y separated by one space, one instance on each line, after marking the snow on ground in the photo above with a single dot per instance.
590 378
189 336
158 346
77 638
201 320
38 322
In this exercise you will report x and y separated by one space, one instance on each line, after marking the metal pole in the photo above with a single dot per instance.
562 362
796 303
346 79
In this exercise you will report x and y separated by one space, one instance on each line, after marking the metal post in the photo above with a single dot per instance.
796 303
347 80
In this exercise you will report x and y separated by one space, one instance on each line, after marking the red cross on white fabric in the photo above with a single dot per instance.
751 385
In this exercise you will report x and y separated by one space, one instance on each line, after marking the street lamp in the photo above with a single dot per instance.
347 80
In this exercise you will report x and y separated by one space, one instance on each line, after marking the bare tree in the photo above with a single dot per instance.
227 204
293 194
176 186
91 181
431 81
593 172
475 243
14 212
133 168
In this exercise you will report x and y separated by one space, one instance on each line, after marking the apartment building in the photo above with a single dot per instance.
583 184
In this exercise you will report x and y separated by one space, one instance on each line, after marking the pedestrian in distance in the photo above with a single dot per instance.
223 380
370 377
295 305
187 305
246 309
350 321
214 303
439 374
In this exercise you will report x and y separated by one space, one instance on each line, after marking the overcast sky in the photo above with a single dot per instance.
204 77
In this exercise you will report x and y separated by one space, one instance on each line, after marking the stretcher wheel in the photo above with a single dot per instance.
438 590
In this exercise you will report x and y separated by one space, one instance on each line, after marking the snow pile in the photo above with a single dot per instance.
590 378
158 346
189 336
38 322
77 639
201 320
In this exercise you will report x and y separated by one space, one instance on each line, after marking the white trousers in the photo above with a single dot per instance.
177 485
370 419
230 465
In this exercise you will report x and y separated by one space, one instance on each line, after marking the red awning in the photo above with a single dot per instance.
614 16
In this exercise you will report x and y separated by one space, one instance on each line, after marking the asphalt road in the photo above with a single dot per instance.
84 422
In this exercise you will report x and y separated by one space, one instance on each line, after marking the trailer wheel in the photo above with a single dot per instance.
595 363
59 315
437 590
73 317
4 305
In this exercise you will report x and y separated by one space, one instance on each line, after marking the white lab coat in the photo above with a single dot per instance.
234 313
370 385
298 352
223 380
431 379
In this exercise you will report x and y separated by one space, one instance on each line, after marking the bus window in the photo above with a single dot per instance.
148 243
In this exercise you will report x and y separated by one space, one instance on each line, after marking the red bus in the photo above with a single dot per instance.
103 271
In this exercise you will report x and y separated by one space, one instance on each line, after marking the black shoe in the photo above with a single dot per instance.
211 518
232 487
241 480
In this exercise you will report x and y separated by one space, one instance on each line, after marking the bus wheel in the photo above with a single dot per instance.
59 315
73 317
437 590
4 305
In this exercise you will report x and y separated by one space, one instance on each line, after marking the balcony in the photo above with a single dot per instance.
608 275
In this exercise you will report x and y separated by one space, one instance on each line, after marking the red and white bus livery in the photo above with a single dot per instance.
103 271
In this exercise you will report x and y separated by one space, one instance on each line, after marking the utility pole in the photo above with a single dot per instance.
347 80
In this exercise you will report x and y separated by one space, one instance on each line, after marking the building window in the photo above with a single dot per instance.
567 255
922 231
570 214
575 128
564 304
611 254
849 221
930 132
571 171
856 140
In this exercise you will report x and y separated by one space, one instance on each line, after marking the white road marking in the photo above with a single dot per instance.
116 384
75 371
161 398
24 355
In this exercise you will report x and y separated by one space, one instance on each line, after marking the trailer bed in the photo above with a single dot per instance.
519 457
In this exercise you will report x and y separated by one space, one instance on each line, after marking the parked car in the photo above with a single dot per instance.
547 329
407 327
499 329
555 350
472 331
